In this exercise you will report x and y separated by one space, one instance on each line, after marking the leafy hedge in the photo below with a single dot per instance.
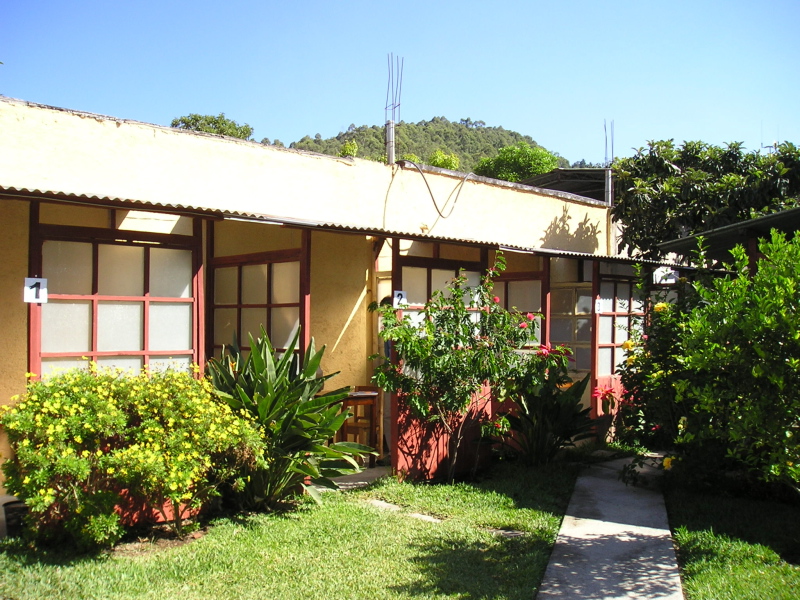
718 373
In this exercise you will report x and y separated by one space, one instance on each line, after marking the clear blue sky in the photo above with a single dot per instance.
716 71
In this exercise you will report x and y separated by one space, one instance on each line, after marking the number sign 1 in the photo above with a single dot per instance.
35 290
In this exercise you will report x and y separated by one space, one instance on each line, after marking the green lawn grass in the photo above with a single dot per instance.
735 548
346 548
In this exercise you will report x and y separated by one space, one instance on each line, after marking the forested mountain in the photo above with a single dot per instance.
469 140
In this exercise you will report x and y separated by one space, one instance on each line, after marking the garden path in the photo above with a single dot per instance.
614 542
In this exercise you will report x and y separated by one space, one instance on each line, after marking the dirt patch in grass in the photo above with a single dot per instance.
156 540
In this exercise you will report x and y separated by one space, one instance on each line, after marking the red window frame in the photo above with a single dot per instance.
41 233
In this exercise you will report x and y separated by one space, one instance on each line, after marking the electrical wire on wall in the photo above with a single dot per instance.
456 190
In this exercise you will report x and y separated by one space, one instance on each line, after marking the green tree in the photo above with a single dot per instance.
349 148
665 192
219 125
517 162
439 158
468 140
464 340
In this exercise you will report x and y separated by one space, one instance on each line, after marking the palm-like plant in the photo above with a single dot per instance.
297 424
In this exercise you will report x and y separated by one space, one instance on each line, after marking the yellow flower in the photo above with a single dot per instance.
667 463
661 306
631 359
627 344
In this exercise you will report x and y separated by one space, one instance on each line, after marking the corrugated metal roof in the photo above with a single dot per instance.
111 201
720 241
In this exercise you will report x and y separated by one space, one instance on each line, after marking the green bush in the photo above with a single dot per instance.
543 411
80 438
464 341
719 372
281 395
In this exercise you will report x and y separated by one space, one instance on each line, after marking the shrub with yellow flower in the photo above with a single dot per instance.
81 437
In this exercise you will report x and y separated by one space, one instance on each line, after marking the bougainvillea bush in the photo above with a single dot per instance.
85 442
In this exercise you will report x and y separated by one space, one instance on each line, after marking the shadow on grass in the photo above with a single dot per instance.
767 523
20 552
510 568
546 488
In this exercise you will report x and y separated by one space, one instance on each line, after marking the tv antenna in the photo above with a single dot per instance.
391 112
605 132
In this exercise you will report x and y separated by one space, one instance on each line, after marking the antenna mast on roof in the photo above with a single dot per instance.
605 132
392 108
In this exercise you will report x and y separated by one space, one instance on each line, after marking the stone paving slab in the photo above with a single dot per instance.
614 543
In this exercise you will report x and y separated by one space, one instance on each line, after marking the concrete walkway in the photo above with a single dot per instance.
614 542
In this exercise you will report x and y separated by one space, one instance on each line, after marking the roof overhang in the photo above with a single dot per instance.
721 240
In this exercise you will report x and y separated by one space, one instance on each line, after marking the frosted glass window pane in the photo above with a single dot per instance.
54 366
584 332
174 363
561 302
473 278
224 325
637 324
583 359
170 273
67 267
415 285
254 284
170 326
472 283
130 364
623 297
536 334
415 316
638 305
561 331
525 295
621 330
605 357
285 322
226 285
66 326
606 333
120 270
252 320
619 356
606 297
119 326
500 292
286 283
584 303
440 279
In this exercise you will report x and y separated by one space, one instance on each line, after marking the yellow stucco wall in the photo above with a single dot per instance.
13 311
232 238
521 261
78 216
341 290
65 151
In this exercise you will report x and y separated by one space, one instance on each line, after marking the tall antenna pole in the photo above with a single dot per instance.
392 107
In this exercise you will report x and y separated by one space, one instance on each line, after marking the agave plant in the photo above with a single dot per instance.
282 395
